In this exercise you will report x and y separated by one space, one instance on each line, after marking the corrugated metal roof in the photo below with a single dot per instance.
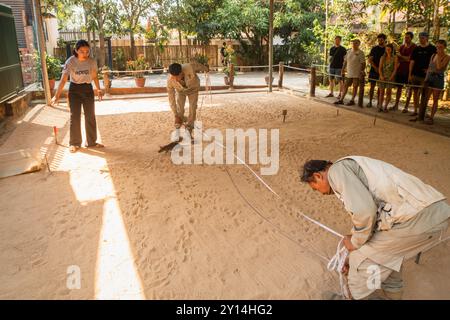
18 8
10 69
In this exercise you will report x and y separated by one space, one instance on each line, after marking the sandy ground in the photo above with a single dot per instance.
134 225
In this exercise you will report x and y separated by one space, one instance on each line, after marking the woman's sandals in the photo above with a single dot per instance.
74 149
97 145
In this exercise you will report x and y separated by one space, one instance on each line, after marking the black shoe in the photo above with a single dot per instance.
330 95
339 102
350 103
369 105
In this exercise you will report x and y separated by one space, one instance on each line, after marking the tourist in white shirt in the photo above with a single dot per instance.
354 65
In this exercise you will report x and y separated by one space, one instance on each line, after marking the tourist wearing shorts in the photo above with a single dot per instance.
354 65
435 80
404 57
374 60
337 55
420 60
388 69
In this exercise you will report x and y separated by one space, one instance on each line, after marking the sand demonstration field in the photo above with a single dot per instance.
138 226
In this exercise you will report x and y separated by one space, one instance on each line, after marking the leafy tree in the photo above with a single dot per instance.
297 23
102 17
132 11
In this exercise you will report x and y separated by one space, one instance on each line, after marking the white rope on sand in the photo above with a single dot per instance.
337 262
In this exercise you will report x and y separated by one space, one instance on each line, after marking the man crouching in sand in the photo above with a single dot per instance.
395 216
184 81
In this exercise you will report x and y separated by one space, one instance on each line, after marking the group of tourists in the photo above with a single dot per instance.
418 67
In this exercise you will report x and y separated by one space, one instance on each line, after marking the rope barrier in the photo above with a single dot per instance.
299 69
132 71
249 67
397 84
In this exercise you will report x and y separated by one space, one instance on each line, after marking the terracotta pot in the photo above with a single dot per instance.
107 84
267 80
52 82
140 82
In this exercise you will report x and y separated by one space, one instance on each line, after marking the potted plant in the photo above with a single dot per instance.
159 68
267 79
202 59
53 69
119 60
139 65
107 81
230 58
226 79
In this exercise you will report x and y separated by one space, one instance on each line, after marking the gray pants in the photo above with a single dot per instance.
367 276
193 100
82 95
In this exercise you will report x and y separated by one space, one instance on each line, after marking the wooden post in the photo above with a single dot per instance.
271 5
231 75
106 82
424 97
312 83
417 260
446 96
280 75
42 51
362 83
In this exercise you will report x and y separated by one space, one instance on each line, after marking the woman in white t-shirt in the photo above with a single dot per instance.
82 71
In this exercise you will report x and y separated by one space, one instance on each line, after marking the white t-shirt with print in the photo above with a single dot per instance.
355 61
80 71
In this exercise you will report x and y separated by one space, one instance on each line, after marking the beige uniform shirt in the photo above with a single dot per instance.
189 85
390 247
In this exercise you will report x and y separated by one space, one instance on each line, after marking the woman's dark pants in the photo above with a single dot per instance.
82 95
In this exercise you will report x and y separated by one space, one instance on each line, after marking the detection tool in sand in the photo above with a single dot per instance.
284 115
55 134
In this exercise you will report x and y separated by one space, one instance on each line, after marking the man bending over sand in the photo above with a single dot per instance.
395 216
184 82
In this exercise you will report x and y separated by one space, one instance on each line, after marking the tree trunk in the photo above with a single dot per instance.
102 50
133 46
407 18
101 37
393 23
94 44
180 40
187 50
89 38
86 21
436 21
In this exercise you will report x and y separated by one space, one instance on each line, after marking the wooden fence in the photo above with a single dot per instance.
152 54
